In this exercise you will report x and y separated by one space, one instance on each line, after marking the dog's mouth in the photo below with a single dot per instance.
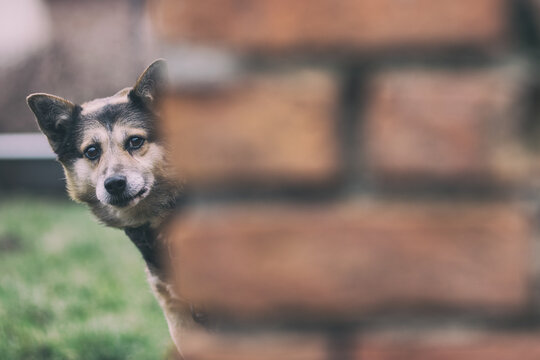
125 200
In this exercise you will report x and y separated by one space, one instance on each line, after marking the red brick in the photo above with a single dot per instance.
253 346
451 346
284 24
443 125
264 129
351 259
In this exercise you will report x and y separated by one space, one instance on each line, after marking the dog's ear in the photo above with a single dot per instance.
54 116
151 84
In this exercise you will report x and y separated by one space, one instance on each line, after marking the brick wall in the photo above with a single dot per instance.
362 176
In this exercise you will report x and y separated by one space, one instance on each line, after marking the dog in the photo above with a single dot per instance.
116 163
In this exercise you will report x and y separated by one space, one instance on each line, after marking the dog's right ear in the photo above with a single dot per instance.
54 116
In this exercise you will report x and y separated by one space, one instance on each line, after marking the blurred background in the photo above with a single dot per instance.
69 287
363 179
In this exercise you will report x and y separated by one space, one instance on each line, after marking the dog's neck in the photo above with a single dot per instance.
152 248
150 239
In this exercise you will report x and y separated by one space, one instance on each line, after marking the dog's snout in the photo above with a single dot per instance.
115 185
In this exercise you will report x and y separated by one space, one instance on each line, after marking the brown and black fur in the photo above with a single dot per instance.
126 187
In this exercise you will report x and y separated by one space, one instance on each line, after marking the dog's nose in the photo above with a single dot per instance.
115 185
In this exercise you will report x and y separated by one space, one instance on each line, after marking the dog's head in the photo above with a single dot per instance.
108 147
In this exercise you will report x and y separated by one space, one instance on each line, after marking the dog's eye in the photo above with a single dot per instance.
134 142
92 152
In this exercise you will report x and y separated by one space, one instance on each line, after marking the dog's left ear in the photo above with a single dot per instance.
151 84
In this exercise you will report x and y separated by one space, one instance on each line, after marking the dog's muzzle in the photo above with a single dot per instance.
120 195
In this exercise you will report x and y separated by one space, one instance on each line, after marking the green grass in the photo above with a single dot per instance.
71 288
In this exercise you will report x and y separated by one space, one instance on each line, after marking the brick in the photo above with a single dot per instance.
269 128
443 125
342 260
200 345
530 13
451 346
314 24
